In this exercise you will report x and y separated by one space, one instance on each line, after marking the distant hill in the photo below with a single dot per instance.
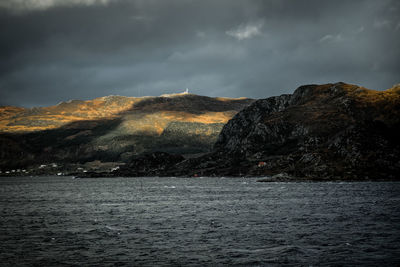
113 128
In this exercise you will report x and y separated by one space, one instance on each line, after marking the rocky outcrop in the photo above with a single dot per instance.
331 131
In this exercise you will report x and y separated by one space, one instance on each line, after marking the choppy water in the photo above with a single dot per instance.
205 221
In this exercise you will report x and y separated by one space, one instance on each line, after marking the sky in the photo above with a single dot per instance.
57 50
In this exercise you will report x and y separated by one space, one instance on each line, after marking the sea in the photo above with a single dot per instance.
204 221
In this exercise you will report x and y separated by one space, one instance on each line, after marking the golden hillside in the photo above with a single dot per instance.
150 114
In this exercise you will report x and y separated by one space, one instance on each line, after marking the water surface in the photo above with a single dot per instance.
197 221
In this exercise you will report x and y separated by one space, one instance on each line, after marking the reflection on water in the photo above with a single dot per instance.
203 221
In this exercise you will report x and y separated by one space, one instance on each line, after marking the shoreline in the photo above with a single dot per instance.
261 179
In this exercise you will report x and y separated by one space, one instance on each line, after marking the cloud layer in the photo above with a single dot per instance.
29 5
57 50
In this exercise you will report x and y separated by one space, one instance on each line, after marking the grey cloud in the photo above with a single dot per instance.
29 5
331 38
220 48
246 31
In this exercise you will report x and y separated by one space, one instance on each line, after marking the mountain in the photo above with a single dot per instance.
324 132
112 128
320 132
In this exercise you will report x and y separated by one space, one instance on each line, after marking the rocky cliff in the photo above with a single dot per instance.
113 128
330 131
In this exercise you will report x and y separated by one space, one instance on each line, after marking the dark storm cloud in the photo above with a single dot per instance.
83 49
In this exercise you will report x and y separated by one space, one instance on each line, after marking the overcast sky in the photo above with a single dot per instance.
56 50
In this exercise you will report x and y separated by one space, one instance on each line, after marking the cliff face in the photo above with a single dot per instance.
113 128
331 131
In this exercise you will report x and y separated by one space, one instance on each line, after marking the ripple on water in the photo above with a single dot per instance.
208 221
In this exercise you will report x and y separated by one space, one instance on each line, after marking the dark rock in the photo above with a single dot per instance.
323 132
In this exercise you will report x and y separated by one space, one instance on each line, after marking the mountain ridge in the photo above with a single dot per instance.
113 128
333 131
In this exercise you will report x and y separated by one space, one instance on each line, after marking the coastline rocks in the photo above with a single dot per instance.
151 164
